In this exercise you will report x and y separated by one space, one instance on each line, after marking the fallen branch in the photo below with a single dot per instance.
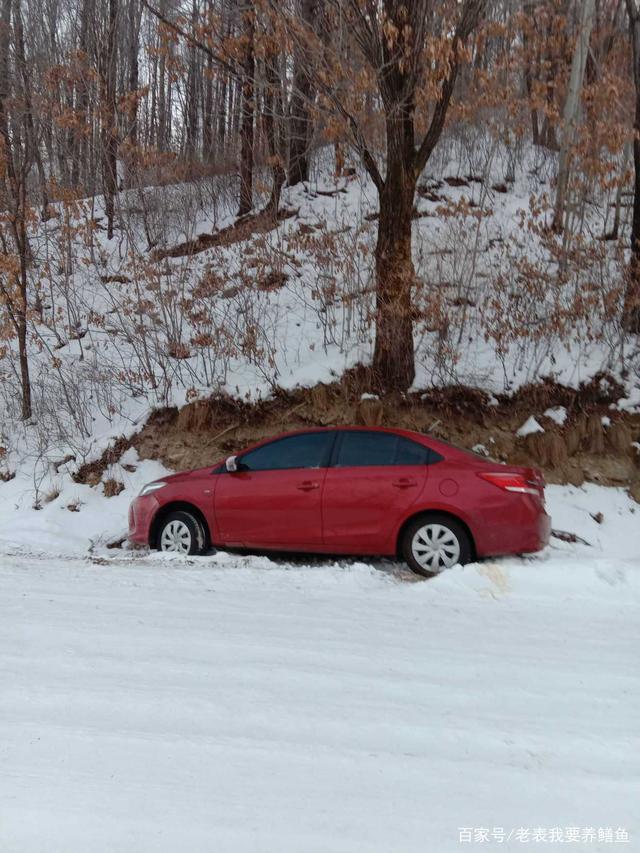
242 229
565 536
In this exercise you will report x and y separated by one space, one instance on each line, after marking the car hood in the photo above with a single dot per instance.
187 475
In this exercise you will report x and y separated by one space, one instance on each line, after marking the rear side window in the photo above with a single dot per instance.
360 448
308 450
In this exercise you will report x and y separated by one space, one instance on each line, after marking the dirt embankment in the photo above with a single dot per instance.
595 443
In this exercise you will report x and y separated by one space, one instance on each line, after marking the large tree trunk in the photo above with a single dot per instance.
631 309
247 109
393 359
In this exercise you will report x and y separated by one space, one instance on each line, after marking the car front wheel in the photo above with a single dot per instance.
433 543
181 533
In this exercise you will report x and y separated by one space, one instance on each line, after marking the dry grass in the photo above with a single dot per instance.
112 488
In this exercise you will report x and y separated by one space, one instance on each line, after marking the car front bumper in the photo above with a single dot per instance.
141 514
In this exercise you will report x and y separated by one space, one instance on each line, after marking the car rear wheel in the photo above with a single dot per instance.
433 543
181 533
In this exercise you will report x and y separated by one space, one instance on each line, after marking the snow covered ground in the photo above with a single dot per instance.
234 703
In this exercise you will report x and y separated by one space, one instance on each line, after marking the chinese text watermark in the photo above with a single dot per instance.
543 835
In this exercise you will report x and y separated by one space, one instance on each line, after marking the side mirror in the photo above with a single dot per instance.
231 464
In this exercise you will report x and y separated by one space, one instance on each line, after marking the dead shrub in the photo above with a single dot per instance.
602 389
178 350
112 488
542 395
272 281
460 399
91 473
357 380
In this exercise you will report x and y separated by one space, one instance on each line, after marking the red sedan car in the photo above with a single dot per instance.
349 490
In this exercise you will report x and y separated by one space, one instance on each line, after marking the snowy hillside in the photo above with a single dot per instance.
124 328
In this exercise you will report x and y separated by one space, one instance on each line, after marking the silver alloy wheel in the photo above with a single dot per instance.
176 536
435 547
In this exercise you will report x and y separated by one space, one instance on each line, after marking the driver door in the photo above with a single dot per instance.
274 500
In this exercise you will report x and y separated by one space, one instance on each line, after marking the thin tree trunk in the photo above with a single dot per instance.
162 107
109 118
14 182
21 308
247 121
273 128
191 106
528 75
572 109
208 124
631 308
78 146
300 125
32 147
135 15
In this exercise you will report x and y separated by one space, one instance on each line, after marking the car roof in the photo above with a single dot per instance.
411 434
444 448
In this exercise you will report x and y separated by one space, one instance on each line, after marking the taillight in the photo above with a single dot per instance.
513 482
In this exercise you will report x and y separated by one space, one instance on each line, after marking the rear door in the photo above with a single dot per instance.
374 481
275 499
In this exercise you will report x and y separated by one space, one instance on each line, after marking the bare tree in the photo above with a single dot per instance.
300 122
413 86
109 115
15 165
247 113
572 107
631 311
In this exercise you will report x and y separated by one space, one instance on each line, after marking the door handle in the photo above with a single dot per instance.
308 486
404 483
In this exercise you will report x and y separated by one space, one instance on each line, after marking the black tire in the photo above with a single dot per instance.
455 540
183 529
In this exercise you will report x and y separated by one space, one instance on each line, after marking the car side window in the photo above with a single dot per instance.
361 447
411 453
308 450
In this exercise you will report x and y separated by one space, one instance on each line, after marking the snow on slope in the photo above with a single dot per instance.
232 703
92 381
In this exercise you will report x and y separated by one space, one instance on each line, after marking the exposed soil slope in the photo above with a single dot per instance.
596 442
